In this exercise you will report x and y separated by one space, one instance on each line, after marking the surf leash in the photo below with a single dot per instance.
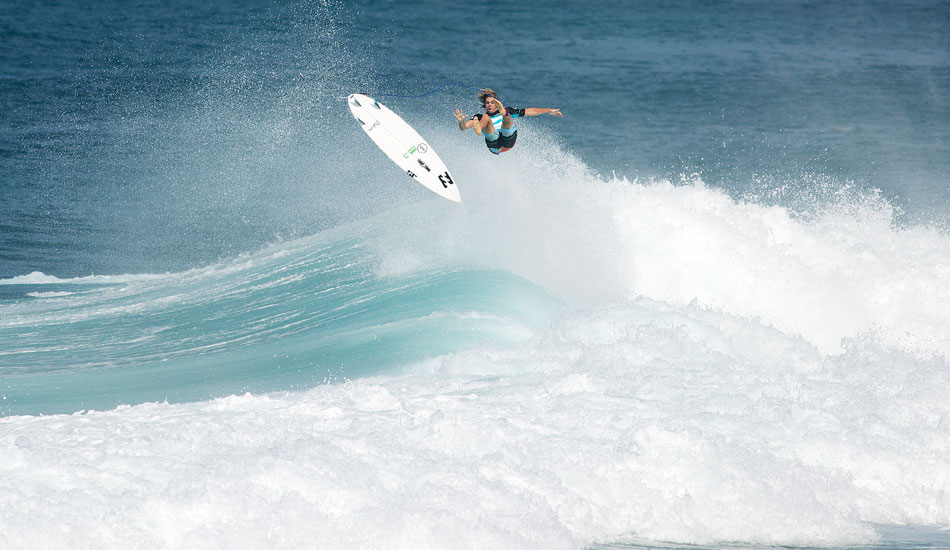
430 92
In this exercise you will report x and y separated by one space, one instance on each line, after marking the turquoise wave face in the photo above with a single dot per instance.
292 316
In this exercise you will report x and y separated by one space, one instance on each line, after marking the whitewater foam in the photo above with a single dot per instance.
642 420
830 275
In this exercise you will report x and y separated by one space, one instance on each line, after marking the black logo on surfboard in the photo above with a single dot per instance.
446 180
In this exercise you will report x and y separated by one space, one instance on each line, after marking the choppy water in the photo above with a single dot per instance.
708 307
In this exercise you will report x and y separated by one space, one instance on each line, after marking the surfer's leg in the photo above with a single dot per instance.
484 127
507 138
508 134
493 142
489 132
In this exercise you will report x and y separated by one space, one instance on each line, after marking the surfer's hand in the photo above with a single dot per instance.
501 108
459 115
555 112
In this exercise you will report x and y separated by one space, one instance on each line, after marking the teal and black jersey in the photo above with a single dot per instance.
496 118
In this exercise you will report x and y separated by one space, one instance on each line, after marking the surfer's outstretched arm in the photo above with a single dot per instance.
464 122
536 111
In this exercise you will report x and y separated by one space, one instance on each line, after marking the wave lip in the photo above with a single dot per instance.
831 268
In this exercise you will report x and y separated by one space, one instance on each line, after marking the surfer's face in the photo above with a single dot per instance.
490 104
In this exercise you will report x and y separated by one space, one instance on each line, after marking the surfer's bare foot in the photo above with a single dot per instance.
478 126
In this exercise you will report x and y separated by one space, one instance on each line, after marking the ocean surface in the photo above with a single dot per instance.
708 308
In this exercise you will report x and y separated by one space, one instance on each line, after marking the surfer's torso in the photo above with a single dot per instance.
496 119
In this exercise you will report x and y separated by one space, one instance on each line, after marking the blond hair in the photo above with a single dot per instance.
486 93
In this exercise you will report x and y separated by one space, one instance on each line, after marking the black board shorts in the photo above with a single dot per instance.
503 143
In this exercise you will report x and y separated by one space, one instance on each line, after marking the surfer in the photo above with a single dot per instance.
497 123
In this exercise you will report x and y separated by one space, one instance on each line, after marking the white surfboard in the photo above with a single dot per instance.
403 145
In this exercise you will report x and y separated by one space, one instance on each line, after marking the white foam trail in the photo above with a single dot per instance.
49 294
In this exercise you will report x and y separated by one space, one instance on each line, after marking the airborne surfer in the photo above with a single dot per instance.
497 123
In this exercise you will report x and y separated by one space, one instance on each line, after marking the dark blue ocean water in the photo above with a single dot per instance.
162 136
708 306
